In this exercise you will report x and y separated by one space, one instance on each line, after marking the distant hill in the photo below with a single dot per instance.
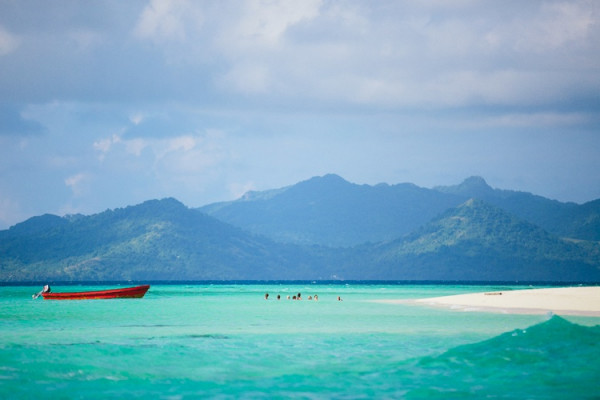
563 219
398 232
154 240
582 222
479 240
333 212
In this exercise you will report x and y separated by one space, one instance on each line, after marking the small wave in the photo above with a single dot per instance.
206 336
547 360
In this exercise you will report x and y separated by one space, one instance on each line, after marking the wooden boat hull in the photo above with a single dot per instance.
124 293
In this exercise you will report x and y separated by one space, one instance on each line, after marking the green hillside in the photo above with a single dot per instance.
563 219
154 240
330 211
414 233
478 240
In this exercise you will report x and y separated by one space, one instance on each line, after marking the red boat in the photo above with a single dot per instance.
130 292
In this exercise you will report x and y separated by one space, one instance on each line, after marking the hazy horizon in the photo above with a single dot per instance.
268 189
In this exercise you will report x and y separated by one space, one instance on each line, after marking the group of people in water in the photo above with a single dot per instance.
298 297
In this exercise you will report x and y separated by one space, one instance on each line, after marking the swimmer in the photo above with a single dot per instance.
339 298
316 297
266 296
278 297
310 297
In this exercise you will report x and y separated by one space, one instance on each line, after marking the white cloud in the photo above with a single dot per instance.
8 42
136 146
556 24
77 183
237 190
175 158
165 20
248 79
266 21
528 120
137 88
179 145
386 53
137 118
104 145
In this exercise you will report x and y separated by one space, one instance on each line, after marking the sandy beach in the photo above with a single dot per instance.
583 301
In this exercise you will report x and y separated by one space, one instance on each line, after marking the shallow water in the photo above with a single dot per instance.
226 341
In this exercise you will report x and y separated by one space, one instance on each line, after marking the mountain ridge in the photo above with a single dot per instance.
479 239
384 212
157 239
319 206
165 240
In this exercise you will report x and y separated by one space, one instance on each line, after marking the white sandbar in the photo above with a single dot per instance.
562 301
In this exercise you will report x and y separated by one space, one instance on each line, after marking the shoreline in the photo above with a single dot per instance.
580 301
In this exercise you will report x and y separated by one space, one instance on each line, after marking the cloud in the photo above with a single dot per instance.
104 145
15 121
414 55
77 183
310 53
536 119
137 118
167 20
159 122
556 25
202 99
194 153
136 146
8 42
175 158
237 190
264 22
248 79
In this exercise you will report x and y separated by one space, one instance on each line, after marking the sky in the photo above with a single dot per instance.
106 104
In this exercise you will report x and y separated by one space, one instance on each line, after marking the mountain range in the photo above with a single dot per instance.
330 211
322 228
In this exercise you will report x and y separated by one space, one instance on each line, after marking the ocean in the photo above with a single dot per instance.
225 341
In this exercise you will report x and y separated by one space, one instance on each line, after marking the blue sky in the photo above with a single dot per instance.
110 103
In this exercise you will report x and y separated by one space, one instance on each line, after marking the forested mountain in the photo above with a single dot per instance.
563 219
398 232
154 240
331 211
479 240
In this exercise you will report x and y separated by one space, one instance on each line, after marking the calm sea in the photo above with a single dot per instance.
226 341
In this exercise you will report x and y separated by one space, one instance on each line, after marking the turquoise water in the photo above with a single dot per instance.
226 341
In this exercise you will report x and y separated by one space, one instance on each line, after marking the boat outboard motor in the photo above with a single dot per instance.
46 289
